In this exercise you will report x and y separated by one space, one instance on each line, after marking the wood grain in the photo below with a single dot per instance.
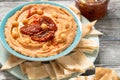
109 53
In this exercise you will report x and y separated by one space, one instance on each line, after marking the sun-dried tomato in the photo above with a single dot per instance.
50 23
43 36
31 29
35 31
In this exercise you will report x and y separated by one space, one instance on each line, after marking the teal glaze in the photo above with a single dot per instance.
65 52
0 30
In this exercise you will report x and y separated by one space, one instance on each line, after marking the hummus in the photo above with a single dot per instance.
40 30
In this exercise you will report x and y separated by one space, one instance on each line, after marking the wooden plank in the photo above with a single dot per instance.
109 53
114 9
110 28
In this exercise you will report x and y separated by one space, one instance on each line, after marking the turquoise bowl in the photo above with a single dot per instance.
63 53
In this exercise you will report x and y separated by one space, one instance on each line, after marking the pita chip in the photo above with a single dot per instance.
88 51
70 64
79 78
23 68
95 32
100 72
35 73
77 61
88 45
12 62
80 58
83 78
50 71
58 71
25 65
115 76
106 74
65 71
91 78
87 28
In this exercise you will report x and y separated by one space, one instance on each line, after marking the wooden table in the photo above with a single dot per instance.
109 55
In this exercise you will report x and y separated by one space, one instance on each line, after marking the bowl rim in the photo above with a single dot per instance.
63 53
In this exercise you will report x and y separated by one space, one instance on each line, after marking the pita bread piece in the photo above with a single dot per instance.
23 68
95 32
70 64
78 78
100 72
115 76
88 45
65 71
80 58
35 73
87 28
76 62
83 78
58 71
25 65
106 74
50 71
91 77
12 62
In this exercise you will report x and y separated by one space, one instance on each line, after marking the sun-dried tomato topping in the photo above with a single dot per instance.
35 31
31 29
43 36
50 23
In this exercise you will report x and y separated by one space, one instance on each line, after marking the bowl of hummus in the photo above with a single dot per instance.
40 31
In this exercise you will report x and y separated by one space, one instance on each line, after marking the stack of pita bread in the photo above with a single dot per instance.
64 67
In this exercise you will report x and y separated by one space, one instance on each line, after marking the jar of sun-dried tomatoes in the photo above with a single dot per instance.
93 9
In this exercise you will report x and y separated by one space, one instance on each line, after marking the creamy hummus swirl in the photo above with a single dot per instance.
23 43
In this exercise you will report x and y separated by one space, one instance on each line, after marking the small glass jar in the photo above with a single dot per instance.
93 9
